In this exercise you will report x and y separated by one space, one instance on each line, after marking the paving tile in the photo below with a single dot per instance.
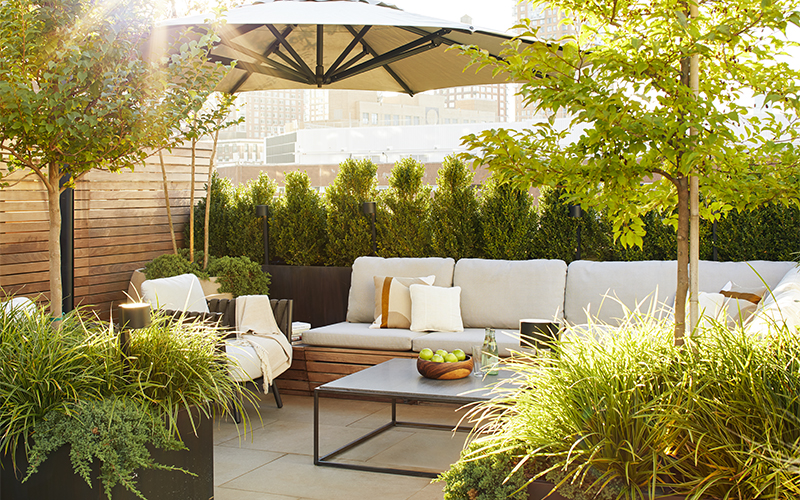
434 491
230 462
233 494
423 449
300 478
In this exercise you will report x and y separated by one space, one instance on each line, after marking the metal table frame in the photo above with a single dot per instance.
341 388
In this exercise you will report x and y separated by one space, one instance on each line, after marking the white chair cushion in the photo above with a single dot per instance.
436 309
499 293
361 301
179 293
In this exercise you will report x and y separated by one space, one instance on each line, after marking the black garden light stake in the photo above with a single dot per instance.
576 213
262 211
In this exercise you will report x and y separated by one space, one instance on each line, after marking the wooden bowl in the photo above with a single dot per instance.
445 371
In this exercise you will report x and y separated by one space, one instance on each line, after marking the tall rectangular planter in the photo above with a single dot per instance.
319 292
56 479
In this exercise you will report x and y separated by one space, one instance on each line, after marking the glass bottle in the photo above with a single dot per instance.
489 354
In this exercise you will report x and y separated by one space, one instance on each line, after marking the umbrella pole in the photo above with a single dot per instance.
320 77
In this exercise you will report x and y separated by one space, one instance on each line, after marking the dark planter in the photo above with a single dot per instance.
319 292
56 479
538 490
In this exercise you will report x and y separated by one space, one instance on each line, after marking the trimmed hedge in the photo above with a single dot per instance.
458 220
298 234
349 232
508 222
403 229
455 217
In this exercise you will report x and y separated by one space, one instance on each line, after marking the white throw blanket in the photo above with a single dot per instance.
254 317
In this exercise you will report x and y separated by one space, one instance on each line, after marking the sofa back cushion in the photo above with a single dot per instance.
361 301
779 307
596 288
599 287
499 293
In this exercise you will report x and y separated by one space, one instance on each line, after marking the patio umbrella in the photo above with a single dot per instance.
341 44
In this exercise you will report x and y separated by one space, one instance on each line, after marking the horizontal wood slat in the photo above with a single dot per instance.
120 224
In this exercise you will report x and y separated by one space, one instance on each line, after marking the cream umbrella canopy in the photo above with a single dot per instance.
341 44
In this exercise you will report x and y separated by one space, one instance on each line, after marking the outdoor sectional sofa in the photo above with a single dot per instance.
500 293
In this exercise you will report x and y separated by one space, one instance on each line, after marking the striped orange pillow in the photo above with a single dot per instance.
393 300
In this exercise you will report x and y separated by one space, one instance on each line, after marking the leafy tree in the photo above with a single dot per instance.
76 95
454 220
626 82
508 221
349 233
299 221
403 219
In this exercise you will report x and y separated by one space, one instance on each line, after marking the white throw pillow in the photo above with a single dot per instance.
178 293
436 309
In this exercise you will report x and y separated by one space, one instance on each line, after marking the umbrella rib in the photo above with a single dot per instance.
444 39
374 55
266 60
408 50
356 39
290 49
286 74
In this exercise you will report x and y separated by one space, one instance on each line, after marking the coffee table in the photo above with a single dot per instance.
398 379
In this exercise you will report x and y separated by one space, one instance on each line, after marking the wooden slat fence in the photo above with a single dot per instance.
120 224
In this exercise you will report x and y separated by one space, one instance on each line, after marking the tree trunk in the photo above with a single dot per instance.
54 240
191 203
208 198
682 184
166 200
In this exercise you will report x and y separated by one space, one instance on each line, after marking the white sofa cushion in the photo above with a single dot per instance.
179 293
594 289
435 309
779 307
752 275
360 336
361 301
507 341
499 293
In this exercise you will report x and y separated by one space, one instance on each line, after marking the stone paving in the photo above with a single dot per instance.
273 458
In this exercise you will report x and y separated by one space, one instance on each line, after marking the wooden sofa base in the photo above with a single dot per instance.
313 366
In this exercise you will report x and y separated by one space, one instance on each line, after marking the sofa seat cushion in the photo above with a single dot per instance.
499 293
507 341
361 301
360 336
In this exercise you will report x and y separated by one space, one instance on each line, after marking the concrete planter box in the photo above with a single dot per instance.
319 292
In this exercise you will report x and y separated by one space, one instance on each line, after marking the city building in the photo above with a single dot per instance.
363 108
266 113
551 26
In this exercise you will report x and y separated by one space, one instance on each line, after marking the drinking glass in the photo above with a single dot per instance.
476 360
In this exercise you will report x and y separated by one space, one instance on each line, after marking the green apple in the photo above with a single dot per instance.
460 355
425 354
437 359
441 352
450 357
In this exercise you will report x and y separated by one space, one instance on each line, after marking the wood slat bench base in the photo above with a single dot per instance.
314 365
